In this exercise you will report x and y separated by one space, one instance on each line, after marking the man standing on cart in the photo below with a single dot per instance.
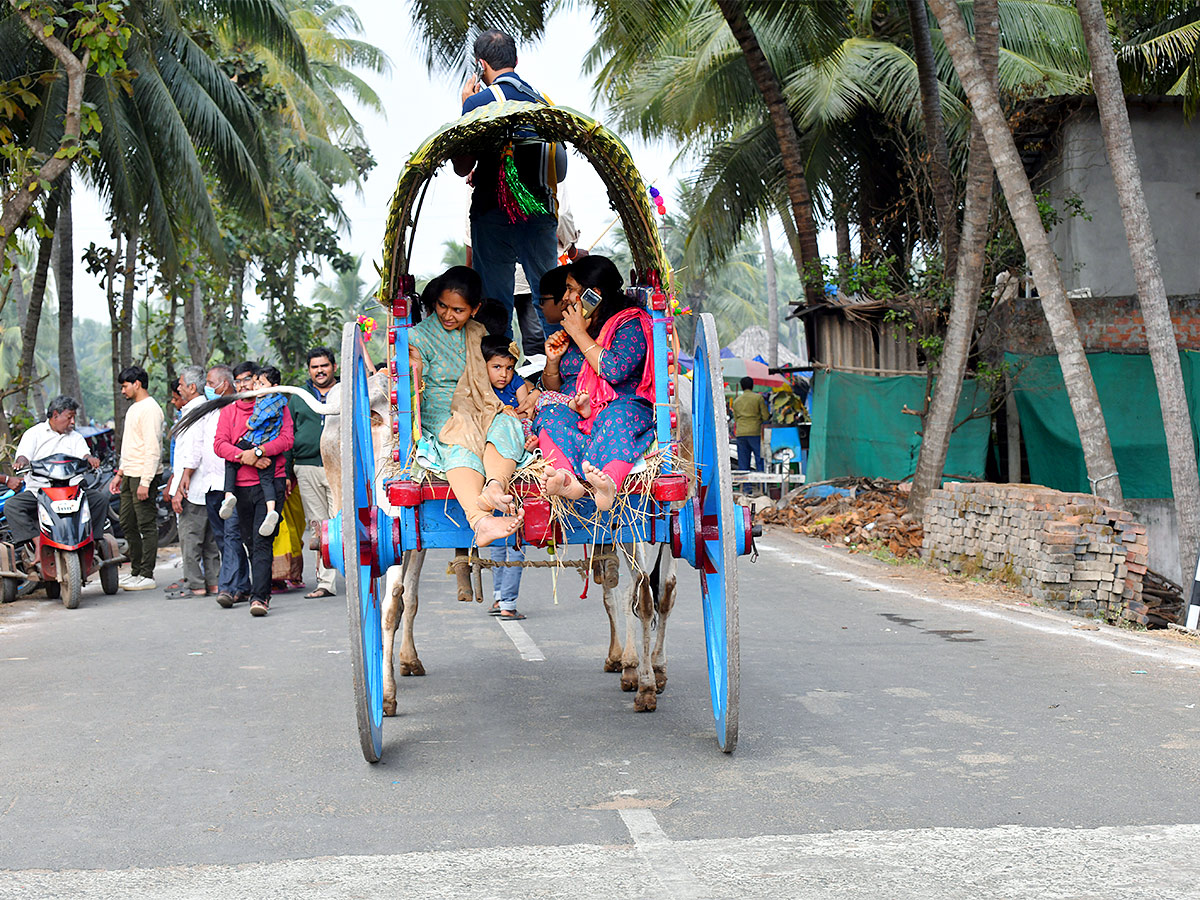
514 206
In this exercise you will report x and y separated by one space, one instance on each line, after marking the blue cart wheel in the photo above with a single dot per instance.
715 530
358 516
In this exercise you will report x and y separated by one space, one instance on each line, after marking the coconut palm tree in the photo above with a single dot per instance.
1081 389
1152 292
1160 52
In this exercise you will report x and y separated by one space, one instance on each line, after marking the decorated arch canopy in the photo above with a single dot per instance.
489 127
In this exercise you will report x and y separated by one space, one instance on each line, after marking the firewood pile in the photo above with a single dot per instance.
1160 604
874 515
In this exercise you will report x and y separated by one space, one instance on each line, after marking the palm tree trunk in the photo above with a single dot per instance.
790 153
114 313
193 321
1077 377
944 199
17 284
64 278
845 253
968 282
1152 293
772 295
123 342
37 293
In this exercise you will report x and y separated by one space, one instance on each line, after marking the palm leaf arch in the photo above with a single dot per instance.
493 125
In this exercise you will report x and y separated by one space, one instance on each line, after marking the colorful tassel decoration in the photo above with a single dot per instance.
514 198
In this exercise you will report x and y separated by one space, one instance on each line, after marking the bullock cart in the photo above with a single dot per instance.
386 513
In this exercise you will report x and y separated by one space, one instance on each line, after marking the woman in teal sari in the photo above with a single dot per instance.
464 431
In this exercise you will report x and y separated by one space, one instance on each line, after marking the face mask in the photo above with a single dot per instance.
209 393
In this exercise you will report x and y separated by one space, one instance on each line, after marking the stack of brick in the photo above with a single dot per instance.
1067 550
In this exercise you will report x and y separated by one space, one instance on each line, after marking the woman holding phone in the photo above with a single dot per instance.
603 351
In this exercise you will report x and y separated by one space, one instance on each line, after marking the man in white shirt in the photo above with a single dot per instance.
138 479
56 435
195 474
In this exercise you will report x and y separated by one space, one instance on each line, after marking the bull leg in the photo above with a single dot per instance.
410 663
612 662
643 605
392 606
629 657
665 589
462 572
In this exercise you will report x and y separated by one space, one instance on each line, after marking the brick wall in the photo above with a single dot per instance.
1106 324
1067 550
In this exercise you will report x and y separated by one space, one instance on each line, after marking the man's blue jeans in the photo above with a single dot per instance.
497 245
234 577
506 582
746 446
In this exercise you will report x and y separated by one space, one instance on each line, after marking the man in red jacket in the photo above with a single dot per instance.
251 505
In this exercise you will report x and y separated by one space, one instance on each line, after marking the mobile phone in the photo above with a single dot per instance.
589 299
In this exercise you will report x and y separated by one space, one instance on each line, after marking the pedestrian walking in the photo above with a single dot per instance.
749 414
307 466
251 503
138 478
233 581
197 542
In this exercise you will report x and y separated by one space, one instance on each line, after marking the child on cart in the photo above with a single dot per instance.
263 425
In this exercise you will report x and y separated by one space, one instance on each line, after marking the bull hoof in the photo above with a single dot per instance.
412 668
612 665
660 680
629 680
389 706
645 701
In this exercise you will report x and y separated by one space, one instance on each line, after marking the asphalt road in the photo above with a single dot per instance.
900 738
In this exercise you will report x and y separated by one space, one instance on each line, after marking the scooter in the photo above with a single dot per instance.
65 554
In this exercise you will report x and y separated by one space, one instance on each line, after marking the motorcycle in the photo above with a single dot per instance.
65 553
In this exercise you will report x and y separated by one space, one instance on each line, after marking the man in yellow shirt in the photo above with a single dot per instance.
749 413
138 477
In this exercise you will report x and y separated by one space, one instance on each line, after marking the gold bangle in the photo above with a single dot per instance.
590 349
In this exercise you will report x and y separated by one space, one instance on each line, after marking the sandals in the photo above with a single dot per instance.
510 615
319 592
494 609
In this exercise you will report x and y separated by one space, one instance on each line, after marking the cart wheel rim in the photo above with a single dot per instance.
358 506
715 542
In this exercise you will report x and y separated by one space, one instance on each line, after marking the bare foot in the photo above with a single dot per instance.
493 497
604 489
563 483
582 404
497 528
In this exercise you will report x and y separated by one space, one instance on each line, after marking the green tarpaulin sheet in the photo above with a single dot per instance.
859 428
1129 398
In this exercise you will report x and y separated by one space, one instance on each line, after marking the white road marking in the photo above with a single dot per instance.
524 643
1005 863
655 848
1053 623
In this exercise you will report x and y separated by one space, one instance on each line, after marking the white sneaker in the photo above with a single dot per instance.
140 583
125 579
270 520
228 505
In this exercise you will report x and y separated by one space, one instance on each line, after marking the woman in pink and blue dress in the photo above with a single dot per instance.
607 356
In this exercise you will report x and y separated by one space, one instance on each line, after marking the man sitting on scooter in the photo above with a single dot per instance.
56 435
